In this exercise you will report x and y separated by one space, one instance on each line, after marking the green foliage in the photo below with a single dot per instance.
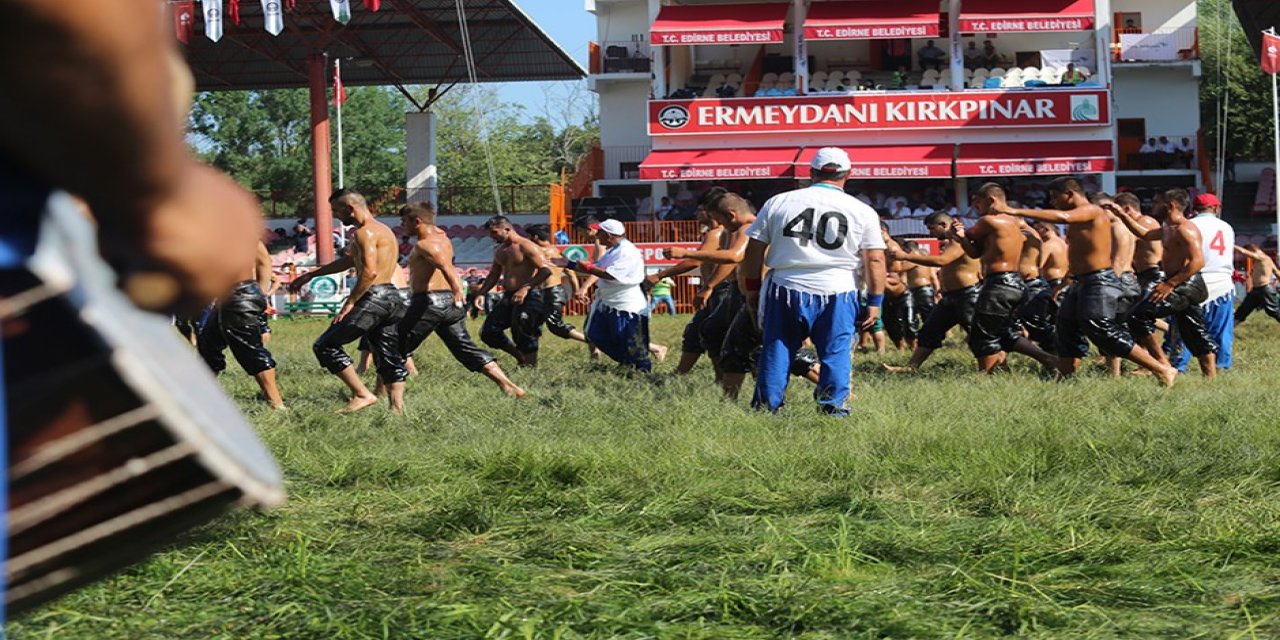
263 139
1250 119
603 506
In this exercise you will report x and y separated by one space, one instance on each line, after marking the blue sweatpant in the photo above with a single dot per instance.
788 318
622 336
1220 315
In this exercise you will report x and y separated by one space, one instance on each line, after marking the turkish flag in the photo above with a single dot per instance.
1270 53
184 19
373 5
234 11
339 91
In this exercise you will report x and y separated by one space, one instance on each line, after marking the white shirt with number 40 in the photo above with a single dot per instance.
816 236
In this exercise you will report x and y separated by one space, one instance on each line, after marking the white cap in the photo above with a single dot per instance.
832 155
611 227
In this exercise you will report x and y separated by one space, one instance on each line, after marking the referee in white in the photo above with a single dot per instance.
817 242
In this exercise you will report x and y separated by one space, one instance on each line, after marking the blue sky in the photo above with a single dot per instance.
569 24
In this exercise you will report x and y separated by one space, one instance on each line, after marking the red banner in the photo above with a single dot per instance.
652 251
1270 53
744 171
184 20
1031 24
983 168
880 111
743 36
869 32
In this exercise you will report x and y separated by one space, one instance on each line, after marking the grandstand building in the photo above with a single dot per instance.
695 93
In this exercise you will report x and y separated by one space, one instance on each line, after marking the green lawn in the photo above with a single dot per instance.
611 506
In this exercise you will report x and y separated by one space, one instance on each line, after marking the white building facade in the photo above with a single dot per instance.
741 94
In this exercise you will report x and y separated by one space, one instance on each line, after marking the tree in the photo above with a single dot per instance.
1242 85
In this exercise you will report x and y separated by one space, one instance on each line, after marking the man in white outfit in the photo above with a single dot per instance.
1218 242
619 324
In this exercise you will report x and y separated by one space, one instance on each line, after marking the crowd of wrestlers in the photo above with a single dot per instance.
1091 269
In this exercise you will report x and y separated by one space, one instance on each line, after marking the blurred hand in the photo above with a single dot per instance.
190 247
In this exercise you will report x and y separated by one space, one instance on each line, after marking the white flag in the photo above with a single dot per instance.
213 19
341 10
273 15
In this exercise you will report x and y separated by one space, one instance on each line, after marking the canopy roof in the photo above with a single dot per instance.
407 42
1256 16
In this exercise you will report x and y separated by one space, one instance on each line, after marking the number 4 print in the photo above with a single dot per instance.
1219 244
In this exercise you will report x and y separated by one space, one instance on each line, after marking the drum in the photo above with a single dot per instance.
119 437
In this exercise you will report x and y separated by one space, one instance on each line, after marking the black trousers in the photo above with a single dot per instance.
898 317
434 312
1131 292
1183 304
554 298
1264 297
375 315
740 349
1088 312
524 319
237 323
995 324
1038 314
955 308
921 305
692 341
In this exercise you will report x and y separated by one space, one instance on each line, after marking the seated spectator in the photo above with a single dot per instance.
923 210
1186 152
972 56
899 78
665 208
301 233
1072 75
406 246
990 58
931 56
1149 147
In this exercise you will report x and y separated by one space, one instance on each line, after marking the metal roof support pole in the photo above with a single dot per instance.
321 173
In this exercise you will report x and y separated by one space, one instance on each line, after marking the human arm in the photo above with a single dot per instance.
1142 228
751 273
968 240
680 268
79 63
574 284
873 270
542 270
337 266
734 254
1195 262
949 254
262 271
446 269
365 276
1253 255
490 280
1079 214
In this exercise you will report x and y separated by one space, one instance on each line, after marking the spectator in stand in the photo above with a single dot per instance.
665 208
895 202
932 57
1186 152
990 57
972 56
406 246
300 235
901 211
339 238
899 80
1072 75
661 293
866 199
922 210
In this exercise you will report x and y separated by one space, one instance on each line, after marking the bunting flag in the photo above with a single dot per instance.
273 16
373 5
1270 53
213 19
290 5
341 10
233 9
184 19
339 91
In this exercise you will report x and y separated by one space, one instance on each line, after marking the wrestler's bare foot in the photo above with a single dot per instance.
359 402
1167 376
659 352
513 391
1140 372
892 369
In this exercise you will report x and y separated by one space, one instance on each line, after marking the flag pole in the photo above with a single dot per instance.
1275 107
337 72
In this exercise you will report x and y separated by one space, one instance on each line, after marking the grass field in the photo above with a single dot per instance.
609 506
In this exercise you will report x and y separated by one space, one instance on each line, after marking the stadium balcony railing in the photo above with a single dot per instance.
1157 45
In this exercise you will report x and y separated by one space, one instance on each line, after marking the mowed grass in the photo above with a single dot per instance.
606 505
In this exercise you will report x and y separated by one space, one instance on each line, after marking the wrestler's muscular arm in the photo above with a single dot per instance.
542 269
952 252
367 248
75 64
1190 235
445 267
262 271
